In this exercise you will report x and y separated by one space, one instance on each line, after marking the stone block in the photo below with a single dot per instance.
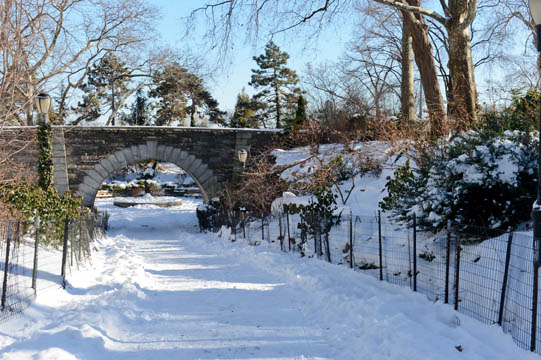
135 151
195 165
114 161
183 155
107 166
167 153
93 174
91 182
152 148
175 156
160 152
206 175
101 170
121 158
187 163
59 147
128 155
143 152
85 188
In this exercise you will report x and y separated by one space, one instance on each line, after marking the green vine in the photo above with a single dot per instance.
27 201
45 159
30 201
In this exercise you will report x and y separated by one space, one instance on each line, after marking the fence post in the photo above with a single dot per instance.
380 248
351 240
447 261
36 246
414 252
64 252
534 297
280 236
457 271
328 246
243 223
505 275
287 220
262 228
315 234
6 266
234 226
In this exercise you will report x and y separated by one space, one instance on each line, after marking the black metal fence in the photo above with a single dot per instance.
29 251
482 273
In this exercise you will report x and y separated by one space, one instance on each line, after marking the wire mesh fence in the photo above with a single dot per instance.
27 254
485 274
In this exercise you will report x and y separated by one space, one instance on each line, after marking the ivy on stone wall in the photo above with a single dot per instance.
45 159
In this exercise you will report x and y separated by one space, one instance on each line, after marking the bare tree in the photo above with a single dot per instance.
47 42
277 16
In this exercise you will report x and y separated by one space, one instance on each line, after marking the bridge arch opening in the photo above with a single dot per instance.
195 167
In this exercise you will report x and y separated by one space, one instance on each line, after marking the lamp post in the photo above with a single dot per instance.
243 155
535 10
44 105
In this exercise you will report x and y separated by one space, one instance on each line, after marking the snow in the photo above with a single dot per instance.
369 189
159 289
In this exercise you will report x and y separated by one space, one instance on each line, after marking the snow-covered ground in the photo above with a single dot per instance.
158 289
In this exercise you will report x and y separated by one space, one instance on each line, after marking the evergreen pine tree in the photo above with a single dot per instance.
245 114
182 94
300 116
277 85
140 110
107 81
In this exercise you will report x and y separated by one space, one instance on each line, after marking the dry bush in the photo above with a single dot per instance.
261 184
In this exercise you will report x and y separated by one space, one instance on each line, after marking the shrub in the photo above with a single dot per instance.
521 115
209 218
475 179
30 201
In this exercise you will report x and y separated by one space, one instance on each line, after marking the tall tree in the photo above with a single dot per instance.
182 94
48 41
407 99
276 82
107 81
458 15
140 110
300 116
171 94
244 115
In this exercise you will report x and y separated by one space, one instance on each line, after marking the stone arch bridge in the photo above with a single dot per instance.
84 156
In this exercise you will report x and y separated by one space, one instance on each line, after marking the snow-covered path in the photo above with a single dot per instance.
157 289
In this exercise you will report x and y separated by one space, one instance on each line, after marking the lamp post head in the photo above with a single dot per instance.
44 103
243 155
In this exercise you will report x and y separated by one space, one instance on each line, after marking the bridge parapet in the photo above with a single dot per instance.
92 153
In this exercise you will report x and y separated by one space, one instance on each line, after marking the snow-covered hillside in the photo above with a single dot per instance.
158 289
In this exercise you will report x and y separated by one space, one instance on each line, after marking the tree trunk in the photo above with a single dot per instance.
406 88
424 59
462 101
277 94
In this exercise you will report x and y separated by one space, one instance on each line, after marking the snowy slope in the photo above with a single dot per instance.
158 289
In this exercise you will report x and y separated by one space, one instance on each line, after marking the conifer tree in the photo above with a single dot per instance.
277 85
245 114
300 116
140 110
182 94
107 81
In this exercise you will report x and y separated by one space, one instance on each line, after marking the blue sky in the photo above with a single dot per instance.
236 75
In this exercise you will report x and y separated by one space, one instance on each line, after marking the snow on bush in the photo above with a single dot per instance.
474 179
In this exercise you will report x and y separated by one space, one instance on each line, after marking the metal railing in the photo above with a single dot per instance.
483 273
23 259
